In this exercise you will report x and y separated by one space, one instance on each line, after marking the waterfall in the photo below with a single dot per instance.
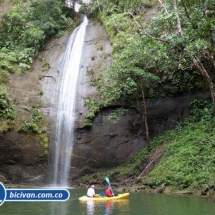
65 116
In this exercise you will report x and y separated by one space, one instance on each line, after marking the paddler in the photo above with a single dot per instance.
108 191
91 191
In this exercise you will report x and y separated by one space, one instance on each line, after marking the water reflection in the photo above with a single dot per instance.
106 207
58 208
90 207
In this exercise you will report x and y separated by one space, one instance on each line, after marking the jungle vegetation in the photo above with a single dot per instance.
166 54
160 49
187 163
24 30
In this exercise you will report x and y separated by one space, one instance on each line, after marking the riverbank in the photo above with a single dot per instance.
208 192
181 161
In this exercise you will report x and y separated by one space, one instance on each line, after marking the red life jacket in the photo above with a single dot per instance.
108 192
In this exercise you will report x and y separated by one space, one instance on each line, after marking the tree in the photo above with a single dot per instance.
193 37
165 56
128 82
184 35
206 53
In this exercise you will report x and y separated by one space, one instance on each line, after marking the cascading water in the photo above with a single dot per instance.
64 130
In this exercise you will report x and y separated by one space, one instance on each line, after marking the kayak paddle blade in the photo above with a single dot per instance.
107 179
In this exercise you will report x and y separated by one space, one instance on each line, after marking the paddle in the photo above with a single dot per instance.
108 181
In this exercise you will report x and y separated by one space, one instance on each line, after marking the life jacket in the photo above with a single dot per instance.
108 192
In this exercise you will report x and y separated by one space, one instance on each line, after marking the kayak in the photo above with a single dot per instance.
105 198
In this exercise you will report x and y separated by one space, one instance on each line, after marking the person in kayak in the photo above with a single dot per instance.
108 192
91 192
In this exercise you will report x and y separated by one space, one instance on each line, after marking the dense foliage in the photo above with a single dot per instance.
189 157
190 151
7 110
24 30
165 54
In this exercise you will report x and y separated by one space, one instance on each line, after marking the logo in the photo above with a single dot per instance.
32 194
2 194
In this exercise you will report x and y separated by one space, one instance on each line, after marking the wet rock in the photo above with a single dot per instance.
20 158
158 190
167 190
210 192
183 192
123 189
2 179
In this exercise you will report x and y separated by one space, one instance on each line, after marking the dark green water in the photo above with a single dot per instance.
137 204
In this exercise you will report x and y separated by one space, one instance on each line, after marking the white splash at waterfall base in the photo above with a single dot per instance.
64 130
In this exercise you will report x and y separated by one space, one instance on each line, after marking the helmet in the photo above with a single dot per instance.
92 186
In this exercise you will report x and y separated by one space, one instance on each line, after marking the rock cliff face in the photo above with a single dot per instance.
23 159
4 7
108 145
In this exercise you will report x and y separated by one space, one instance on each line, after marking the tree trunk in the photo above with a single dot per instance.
164 7
144 111
204 72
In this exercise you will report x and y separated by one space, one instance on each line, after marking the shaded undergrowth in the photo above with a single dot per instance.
188 161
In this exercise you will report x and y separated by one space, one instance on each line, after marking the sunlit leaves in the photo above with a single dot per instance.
116 115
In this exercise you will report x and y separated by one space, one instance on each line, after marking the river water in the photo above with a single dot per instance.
136 204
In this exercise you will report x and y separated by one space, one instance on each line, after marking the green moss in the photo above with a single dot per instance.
40 92
94 106
33 124
93 58
44 142
100 48
7 109
46 67
87 123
